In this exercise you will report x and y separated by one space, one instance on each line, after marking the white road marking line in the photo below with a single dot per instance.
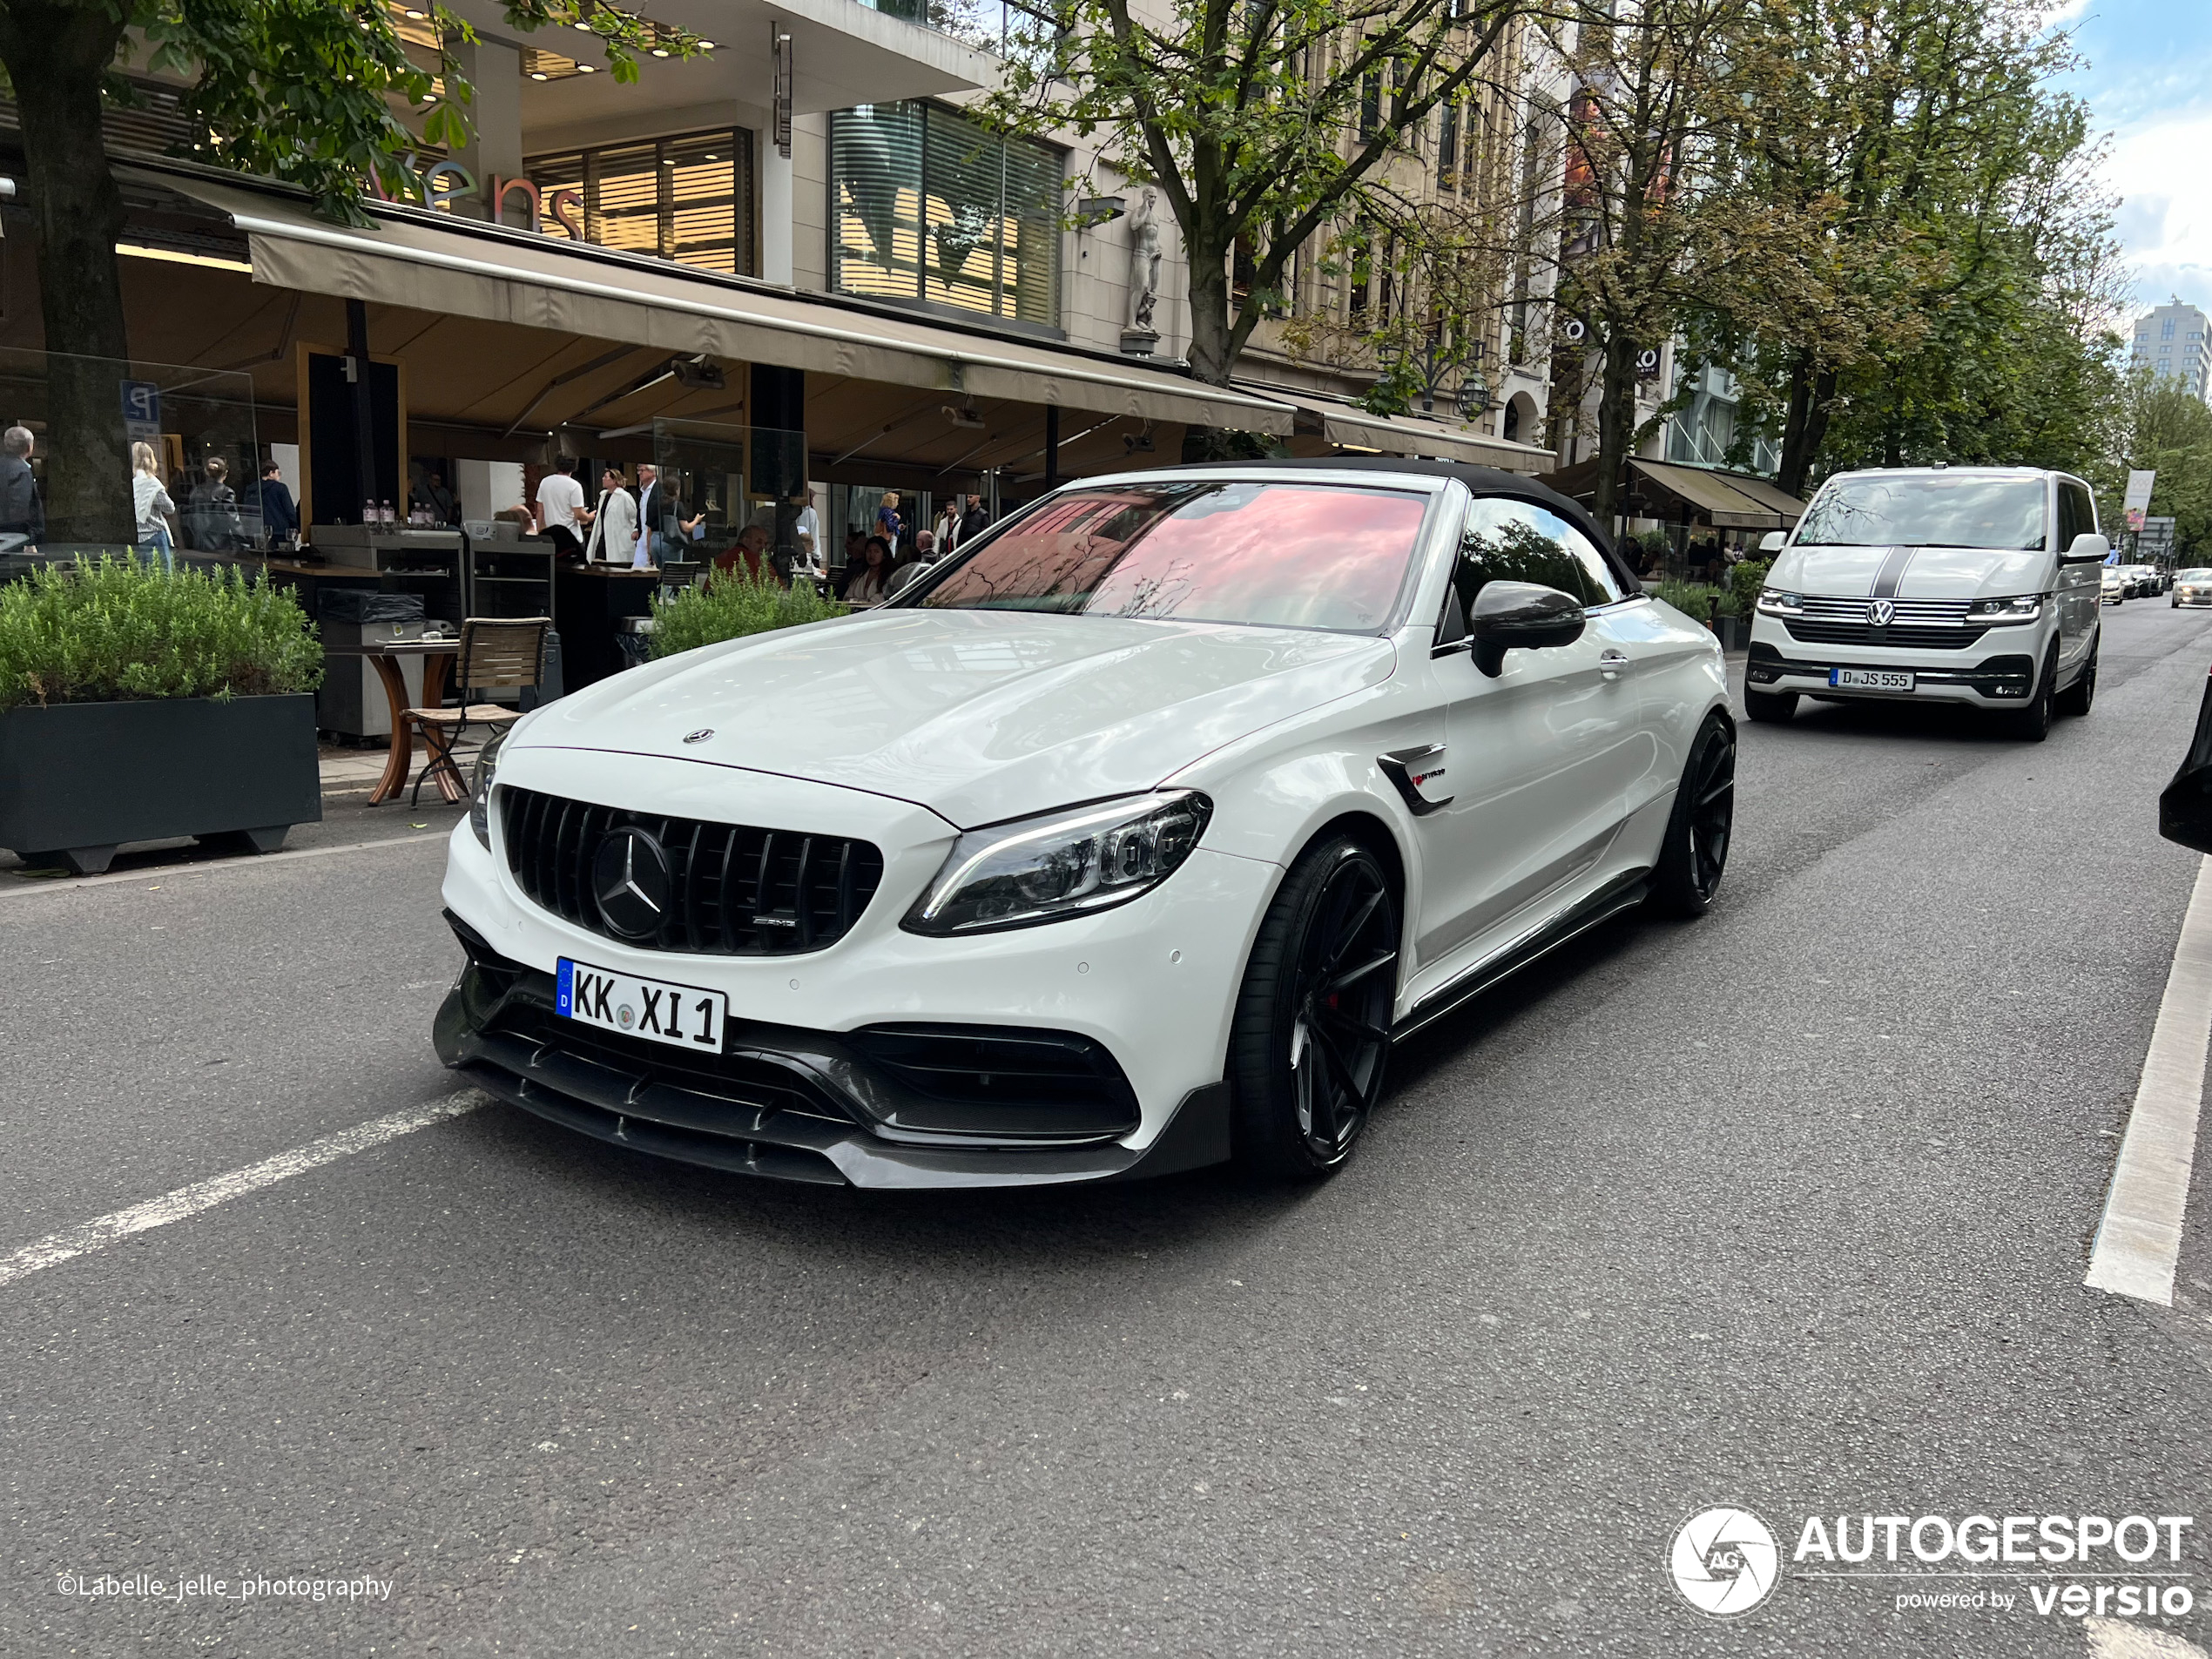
211 866
2117 1639
2140 1239
56 1248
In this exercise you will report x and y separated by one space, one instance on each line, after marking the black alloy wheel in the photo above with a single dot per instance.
2078 697
1311 1038
2032 723
1773 707
1694 856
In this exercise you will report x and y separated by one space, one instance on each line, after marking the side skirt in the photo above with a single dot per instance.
1624 892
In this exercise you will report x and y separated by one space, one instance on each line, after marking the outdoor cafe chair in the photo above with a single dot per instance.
496 653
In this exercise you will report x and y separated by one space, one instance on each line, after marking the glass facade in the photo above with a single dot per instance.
687 198
928 207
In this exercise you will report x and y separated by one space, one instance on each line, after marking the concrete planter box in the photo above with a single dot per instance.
1734 633
78 779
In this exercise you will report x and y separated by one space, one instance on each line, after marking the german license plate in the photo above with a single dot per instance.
1870 679
682 1016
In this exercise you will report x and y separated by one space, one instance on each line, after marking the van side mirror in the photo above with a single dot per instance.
1520 615
1770 543
2088 548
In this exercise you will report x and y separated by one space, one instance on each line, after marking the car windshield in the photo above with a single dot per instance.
1923 511
1286 555
2193 575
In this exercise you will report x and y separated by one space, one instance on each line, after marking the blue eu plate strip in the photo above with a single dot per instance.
564 1000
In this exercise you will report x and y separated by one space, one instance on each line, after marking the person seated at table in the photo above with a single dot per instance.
868 580
750 553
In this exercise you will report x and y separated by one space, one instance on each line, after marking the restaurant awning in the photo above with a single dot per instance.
1667 489
429 262
1411 434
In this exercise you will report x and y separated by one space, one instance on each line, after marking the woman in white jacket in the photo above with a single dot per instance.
614 526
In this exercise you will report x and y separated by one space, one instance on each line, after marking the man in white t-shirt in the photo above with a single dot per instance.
806 531
560 510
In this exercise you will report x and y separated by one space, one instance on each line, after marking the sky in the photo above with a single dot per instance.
2148 81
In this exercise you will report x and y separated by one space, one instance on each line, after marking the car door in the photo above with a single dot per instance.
1545 756
2079 588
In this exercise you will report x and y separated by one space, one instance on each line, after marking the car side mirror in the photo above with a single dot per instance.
2088 548
1520 615
1770 543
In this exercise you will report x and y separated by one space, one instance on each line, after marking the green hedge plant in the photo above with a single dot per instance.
732 604
1694 599
118 630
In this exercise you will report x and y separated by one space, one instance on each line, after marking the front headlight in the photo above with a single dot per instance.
1774 603
2025 607
479 782
1059 865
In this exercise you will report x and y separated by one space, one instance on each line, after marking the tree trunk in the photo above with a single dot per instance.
1210 359
1813 395
56 54
1615 425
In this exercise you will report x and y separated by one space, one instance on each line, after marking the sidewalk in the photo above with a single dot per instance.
348 771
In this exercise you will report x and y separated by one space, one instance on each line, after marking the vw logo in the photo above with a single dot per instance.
629 882
1880 613
699 736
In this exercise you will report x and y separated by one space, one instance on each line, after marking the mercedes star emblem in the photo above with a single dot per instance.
699 736
629 881
1880 613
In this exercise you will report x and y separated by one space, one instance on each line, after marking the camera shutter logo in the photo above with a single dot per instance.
1725 1562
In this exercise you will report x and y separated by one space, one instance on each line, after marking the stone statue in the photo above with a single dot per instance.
1143 264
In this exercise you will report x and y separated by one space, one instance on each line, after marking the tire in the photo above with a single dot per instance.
1311 1040
2078 697
1771 708
1694 855
2032 723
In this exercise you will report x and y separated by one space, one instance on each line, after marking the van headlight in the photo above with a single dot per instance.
1061 864
480 781
2025 607
1774 603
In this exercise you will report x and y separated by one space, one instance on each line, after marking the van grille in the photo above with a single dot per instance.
733 890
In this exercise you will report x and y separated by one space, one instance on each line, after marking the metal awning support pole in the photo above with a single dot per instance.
1051 447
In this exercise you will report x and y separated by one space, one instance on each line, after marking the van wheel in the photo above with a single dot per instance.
2033 724
1311 1035
1769 708
2077 697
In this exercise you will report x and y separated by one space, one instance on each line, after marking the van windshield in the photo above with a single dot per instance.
1925 511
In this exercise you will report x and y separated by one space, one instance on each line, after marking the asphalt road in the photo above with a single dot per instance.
1788 1208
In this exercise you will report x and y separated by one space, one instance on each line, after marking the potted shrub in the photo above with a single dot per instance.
136 705
732 605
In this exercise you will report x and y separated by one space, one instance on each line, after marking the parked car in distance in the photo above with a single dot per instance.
1126 840
2149 581
2114 587
1978 585
2192 587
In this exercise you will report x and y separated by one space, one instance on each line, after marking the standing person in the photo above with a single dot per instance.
279 516
946 528
888 524
157 511
211 510
614 526
561 512
21 511
806 532
975 521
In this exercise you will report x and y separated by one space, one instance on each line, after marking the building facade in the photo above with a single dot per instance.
2175 342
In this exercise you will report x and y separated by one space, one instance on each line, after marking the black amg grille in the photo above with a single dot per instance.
733 890
1898 633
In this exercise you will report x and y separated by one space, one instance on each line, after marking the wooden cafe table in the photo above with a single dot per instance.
385 656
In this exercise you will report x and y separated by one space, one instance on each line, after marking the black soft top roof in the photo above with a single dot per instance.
1482 480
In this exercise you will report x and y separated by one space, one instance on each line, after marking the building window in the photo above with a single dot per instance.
1447 147
2165 329
928 207
687 198
1370 105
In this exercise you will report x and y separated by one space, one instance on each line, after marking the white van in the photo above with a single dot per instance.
1960 584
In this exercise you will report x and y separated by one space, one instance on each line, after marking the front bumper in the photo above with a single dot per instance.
811 1106
1997 671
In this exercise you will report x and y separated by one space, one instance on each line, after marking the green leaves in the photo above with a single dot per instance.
731 606
117 629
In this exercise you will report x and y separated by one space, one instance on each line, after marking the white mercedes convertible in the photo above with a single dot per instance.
1128 841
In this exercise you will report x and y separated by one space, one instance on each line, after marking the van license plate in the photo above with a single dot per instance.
682 1016
1870 679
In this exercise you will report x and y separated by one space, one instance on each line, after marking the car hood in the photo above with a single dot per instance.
979 715
1914 572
